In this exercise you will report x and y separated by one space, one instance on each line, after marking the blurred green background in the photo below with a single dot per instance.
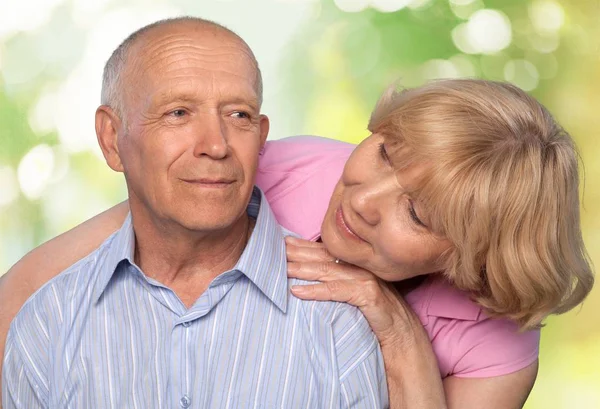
325 64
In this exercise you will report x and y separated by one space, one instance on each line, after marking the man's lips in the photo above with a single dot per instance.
209 182
344 227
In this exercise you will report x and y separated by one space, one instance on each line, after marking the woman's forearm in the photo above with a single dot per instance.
413 377
55 255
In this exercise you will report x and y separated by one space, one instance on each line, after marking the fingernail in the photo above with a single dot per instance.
298 289
291 266
290 239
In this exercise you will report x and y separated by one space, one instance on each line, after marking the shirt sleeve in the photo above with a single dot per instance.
365 386
20 390
492 347
360 362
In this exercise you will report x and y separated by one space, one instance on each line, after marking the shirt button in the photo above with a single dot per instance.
186 324
185 401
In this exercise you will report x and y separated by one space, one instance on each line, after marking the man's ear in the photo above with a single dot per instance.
264 129
108 125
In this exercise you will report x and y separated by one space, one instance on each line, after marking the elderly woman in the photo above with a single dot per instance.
464 198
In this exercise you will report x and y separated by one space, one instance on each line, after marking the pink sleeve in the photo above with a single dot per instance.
483 348
466 342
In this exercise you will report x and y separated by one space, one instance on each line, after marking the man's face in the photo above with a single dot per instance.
190 150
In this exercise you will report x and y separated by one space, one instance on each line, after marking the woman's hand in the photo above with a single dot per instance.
391 319
411 366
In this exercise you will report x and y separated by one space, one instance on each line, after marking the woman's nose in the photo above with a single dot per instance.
368 201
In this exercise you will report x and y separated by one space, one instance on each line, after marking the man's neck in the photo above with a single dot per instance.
185 260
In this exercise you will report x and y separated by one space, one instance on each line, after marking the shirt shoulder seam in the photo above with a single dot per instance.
354 367
39 389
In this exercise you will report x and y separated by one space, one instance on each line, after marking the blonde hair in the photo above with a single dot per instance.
502 185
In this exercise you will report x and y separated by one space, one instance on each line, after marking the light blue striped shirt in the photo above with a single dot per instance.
103 335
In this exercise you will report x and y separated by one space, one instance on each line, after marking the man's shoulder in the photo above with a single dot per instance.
47 305
354 341
333 312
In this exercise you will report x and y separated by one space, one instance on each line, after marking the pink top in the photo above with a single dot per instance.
298 175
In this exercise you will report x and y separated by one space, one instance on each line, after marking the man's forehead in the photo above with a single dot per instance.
195 35
187 64
198 90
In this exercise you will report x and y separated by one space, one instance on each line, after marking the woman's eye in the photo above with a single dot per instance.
413 214
383 153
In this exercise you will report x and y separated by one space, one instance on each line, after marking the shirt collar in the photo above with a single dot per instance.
436 297
263 261
118 247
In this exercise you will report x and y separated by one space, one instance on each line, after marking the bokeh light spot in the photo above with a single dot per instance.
492 65
489 31
461 39
546 15
464 10
352 6
418 4
544 43
42 115
61 164
461 2
546 64
9 187
389 6
20 65
437 68
465 65
25 15
35 170
522 73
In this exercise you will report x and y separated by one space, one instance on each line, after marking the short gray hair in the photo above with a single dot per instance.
114 67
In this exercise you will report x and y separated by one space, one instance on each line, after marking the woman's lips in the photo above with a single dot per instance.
343 226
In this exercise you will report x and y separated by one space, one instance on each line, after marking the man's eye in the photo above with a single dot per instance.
178 113
241 115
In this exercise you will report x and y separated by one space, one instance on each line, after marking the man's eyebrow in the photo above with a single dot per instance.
252 102
169 96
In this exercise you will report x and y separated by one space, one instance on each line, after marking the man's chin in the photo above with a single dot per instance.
213 224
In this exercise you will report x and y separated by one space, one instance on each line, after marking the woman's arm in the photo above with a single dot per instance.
506 391
411 366
46 261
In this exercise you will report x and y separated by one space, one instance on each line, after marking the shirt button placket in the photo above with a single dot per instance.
185 401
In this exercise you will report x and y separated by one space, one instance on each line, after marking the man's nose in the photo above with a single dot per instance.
211 139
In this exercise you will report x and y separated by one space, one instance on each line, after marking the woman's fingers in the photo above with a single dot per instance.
326 271
302 243
360 293
338 290
302 250
386 313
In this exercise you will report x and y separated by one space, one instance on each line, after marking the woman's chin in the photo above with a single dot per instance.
335 244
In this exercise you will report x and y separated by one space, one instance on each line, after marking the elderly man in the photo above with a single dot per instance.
187 304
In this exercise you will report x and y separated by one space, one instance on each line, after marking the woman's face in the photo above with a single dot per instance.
373 223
